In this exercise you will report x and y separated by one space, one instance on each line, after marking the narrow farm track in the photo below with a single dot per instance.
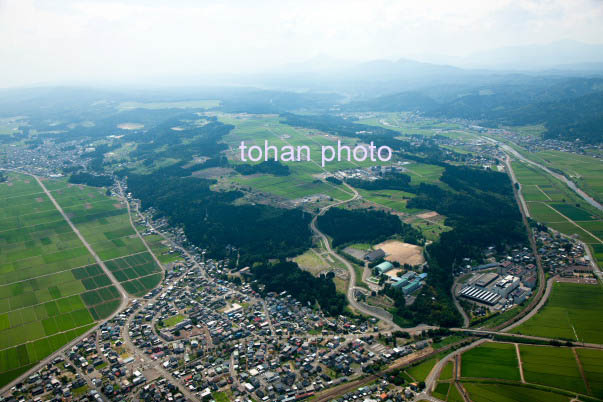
124 199
520 363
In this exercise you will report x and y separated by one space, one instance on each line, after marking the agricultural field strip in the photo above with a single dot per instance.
31 226
48 336
20 195
44 275
124 256
575 381
576 224
25 320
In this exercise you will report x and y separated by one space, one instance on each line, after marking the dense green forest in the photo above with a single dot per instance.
482 213
362 225
393 181
247 233
91 180
267 167
302 285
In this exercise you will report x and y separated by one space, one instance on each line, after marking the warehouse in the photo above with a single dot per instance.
384 267
375 255
480 295
506 285
486 279
411 287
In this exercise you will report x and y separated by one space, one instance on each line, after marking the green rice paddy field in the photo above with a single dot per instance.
551 202
490 372
52 290
105 224
47 278
586 171
491 360
572 312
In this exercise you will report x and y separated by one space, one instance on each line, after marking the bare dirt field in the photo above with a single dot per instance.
428 215
401 252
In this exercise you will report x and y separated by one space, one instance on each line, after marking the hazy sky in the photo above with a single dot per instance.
104 40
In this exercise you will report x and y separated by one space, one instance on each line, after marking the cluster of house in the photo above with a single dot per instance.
564 257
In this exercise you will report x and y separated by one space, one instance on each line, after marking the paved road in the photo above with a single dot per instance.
100 262
515 183
434 374
157 365
532 313
460 308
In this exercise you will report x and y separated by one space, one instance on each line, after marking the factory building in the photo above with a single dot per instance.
480 295
411 287
486 279
375 255
506 285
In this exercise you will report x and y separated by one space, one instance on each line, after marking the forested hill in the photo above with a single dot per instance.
482 212
360 226
211 221
569 108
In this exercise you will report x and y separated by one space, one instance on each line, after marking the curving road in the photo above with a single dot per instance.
536 309
377 313
351 272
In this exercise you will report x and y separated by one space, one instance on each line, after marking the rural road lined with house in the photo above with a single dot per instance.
124 199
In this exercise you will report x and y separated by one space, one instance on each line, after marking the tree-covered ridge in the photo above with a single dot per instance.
482 213
248 233
268 167
362 225
91 180
302 285
393 181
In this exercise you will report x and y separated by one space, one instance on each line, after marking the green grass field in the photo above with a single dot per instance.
51 289
510 393
592 364
551 366
421 370
586 171
573 310
551 202
491 360
446 373
138 273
